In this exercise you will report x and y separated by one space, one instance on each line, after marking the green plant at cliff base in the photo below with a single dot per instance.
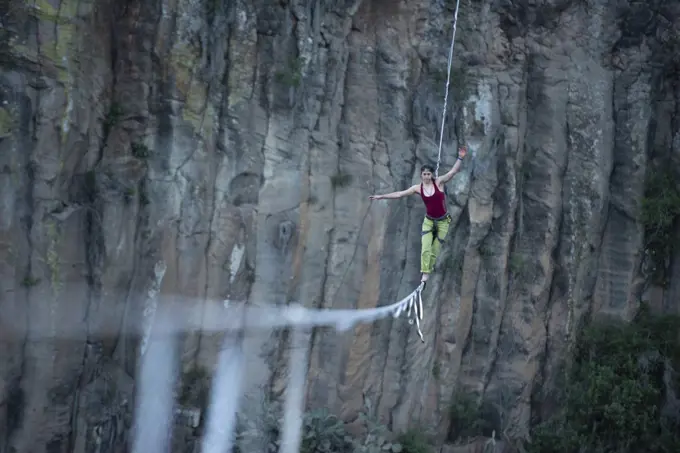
377 436
466 417
621 393
323 432
659 215
414 441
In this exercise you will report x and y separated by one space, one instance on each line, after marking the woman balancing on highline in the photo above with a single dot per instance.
437 219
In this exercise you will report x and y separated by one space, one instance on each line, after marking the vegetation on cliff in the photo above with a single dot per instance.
659 217
622 391
323 432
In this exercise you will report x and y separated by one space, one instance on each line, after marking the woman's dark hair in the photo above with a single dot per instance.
431 169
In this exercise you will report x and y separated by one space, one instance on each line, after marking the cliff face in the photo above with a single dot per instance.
203 150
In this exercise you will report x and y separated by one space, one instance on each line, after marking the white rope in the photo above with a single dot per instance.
297 316
446 94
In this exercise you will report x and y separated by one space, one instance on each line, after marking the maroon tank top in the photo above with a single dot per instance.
435 205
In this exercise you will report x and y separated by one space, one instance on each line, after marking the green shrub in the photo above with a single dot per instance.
414 441
140 150
466 417
377 438
322 432
659 215
615 391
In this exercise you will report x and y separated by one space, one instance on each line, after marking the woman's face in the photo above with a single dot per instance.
426 176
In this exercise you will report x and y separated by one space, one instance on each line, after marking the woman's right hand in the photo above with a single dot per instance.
376 197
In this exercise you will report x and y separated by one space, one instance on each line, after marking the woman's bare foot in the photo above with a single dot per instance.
424 278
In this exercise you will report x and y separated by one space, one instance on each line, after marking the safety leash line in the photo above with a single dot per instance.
446 94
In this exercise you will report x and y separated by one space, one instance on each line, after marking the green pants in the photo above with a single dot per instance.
432 234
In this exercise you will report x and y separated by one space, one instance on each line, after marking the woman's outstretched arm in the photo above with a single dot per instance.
448 176
393 195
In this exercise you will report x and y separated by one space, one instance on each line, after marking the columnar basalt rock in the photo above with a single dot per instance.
202 150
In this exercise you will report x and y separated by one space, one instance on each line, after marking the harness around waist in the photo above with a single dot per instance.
445 216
